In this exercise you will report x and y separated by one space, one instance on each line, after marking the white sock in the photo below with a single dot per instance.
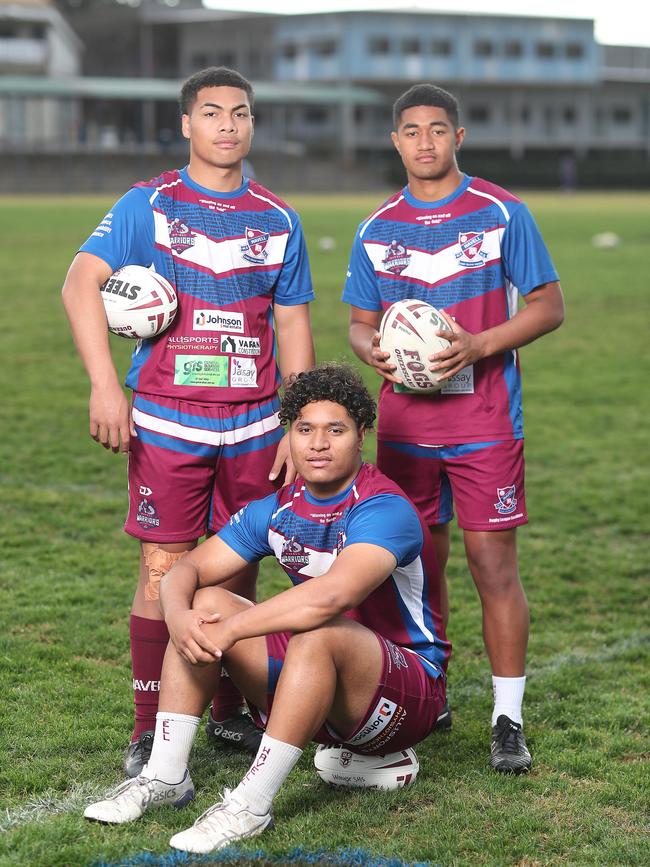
508 696
172 743
273 764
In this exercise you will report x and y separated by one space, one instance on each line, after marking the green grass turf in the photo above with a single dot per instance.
68 574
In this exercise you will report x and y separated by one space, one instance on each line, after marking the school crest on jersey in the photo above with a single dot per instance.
254 249
507 500
396 257
293 554
181 237
471 255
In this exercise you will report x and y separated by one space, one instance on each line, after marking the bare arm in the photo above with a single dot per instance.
109 414
211 563
543 312
364 340
296 353
355 573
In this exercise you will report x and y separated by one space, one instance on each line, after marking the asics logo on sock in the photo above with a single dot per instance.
146 685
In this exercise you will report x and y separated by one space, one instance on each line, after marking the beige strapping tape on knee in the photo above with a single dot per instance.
158 562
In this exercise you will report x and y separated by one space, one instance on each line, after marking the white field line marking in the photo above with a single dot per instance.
49 804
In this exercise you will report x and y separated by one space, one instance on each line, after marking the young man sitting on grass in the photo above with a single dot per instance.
359 633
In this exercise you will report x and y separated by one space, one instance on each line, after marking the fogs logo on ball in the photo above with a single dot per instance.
396 257
181 237
254 249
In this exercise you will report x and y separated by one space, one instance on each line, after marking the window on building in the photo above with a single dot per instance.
545 50
574 50
200 60
621 114
410 46
326 48
315 114
288 51
378 45
525 114
569 114
483 48
441 47
226 58
512 48
478 114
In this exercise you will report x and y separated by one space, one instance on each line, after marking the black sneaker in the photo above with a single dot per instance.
509 753
238 732
138 754
443 723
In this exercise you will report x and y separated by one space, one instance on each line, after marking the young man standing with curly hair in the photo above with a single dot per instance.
355 652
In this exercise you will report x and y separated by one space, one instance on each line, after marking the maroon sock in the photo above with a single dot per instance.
148 644
227 700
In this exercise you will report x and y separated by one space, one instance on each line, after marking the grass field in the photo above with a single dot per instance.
68 574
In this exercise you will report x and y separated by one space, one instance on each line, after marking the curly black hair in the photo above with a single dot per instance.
336 382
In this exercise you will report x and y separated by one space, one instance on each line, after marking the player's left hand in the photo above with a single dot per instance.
283 459
465 349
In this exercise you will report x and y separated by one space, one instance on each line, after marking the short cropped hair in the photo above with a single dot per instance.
426 94
338 383
213 76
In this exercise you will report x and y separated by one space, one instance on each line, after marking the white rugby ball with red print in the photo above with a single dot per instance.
138 302
339 766
408 333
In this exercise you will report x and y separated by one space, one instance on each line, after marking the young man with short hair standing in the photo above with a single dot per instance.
203 434
470 247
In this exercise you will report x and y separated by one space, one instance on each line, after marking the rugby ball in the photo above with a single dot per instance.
340 766
138 302
408 335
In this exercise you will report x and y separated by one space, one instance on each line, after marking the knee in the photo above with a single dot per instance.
219 601
323 639
158 561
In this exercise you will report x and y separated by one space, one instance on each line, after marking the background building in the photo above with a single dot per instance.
543 102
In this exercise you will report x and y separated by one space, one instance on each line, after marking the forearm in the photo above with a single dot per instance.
299 609
85 311
178 587
361 335
295 342
526 325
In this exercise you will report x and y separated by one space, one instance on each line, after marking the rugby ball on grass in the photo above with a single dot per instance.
138 302
408 334
339 766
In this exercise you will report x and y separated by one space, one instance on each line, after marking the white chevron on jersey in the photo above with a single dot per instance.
220 257
433 267
201 435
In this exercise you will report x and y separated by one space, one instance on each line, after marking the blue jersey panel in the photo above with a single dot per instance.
247 531
126 234
527 263
388 521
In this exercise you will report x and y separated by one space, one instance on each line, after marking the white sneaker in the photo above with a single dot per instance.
133 798
221 825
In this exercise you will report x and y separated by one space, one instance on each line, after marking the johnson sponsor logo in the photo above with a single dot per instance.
218 320
379 719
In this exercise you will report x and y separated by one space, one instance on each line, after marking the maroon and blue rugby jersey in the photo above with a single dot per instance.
470 254
231 257
305 534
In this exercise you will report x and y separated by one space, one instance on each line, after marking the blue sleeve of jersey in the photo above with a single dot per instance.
247 531
526 260
389 521
294 283
361 288
126 234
